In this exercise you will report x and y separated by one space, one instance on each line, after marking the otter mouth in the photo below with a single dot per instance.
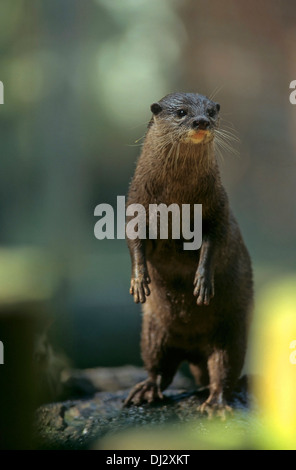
199 136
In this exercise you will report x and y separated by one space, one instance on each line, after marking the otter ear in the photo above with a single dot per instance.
155 108
218 106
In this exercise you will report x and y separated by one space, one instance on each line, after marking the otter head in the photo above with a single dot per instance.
187 117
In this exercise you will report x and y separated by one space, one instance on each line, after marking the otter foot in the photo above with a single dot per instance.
214 408
147 391
203 288
139 288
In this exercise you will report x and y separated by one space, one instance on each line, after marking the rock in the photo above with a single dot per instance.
82 423
80 383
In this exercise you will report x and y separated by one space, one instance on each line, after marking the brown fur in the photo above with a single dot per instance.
196 304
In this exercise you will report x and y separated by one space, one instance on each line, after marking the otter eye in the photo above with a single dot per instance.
181 113
212 113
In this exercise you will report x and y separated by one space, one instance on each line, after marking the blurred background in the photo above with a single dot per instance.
79 78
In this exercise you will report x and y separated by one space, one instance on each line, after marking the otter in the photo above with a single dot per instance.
196 304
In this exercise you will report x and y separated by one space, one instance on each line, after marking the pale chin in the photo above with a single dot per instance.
198 138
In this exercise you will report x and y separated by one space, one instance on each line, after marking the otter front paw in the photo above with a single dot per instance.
203 287
213 407
147 391
139 287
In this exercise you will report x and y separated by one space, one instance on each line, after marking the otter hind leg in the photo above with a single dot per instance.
224 366
200 373
160 376
161 361
219 385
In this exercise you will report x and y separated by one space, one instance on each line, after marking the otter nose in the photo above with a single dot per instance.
201 123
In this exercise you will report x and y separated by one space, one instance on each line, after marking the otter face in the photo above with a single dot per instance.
188 117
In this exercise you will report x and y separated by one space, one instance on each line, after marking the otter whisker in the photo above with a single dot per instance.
170 158
139 125
175 159
140 138
228 124
224 145
220 141
209 158
219 153
134 145
225 138
227 134
228 139
216 91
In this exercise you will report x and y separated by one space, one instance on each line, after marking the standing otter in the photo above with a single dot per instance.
196 304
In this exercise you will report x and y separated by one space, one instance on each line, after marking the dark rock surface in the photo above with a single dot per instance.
81 423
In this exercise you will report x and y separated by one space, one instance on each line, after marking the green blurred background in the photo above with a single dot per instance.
79 77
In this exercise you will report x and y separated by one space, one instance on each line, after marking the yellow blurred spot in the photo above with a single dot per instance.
274 354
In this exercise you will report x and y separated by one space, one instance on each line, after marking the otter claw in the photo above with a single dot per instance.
204 289
140 289
147 391
214 409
